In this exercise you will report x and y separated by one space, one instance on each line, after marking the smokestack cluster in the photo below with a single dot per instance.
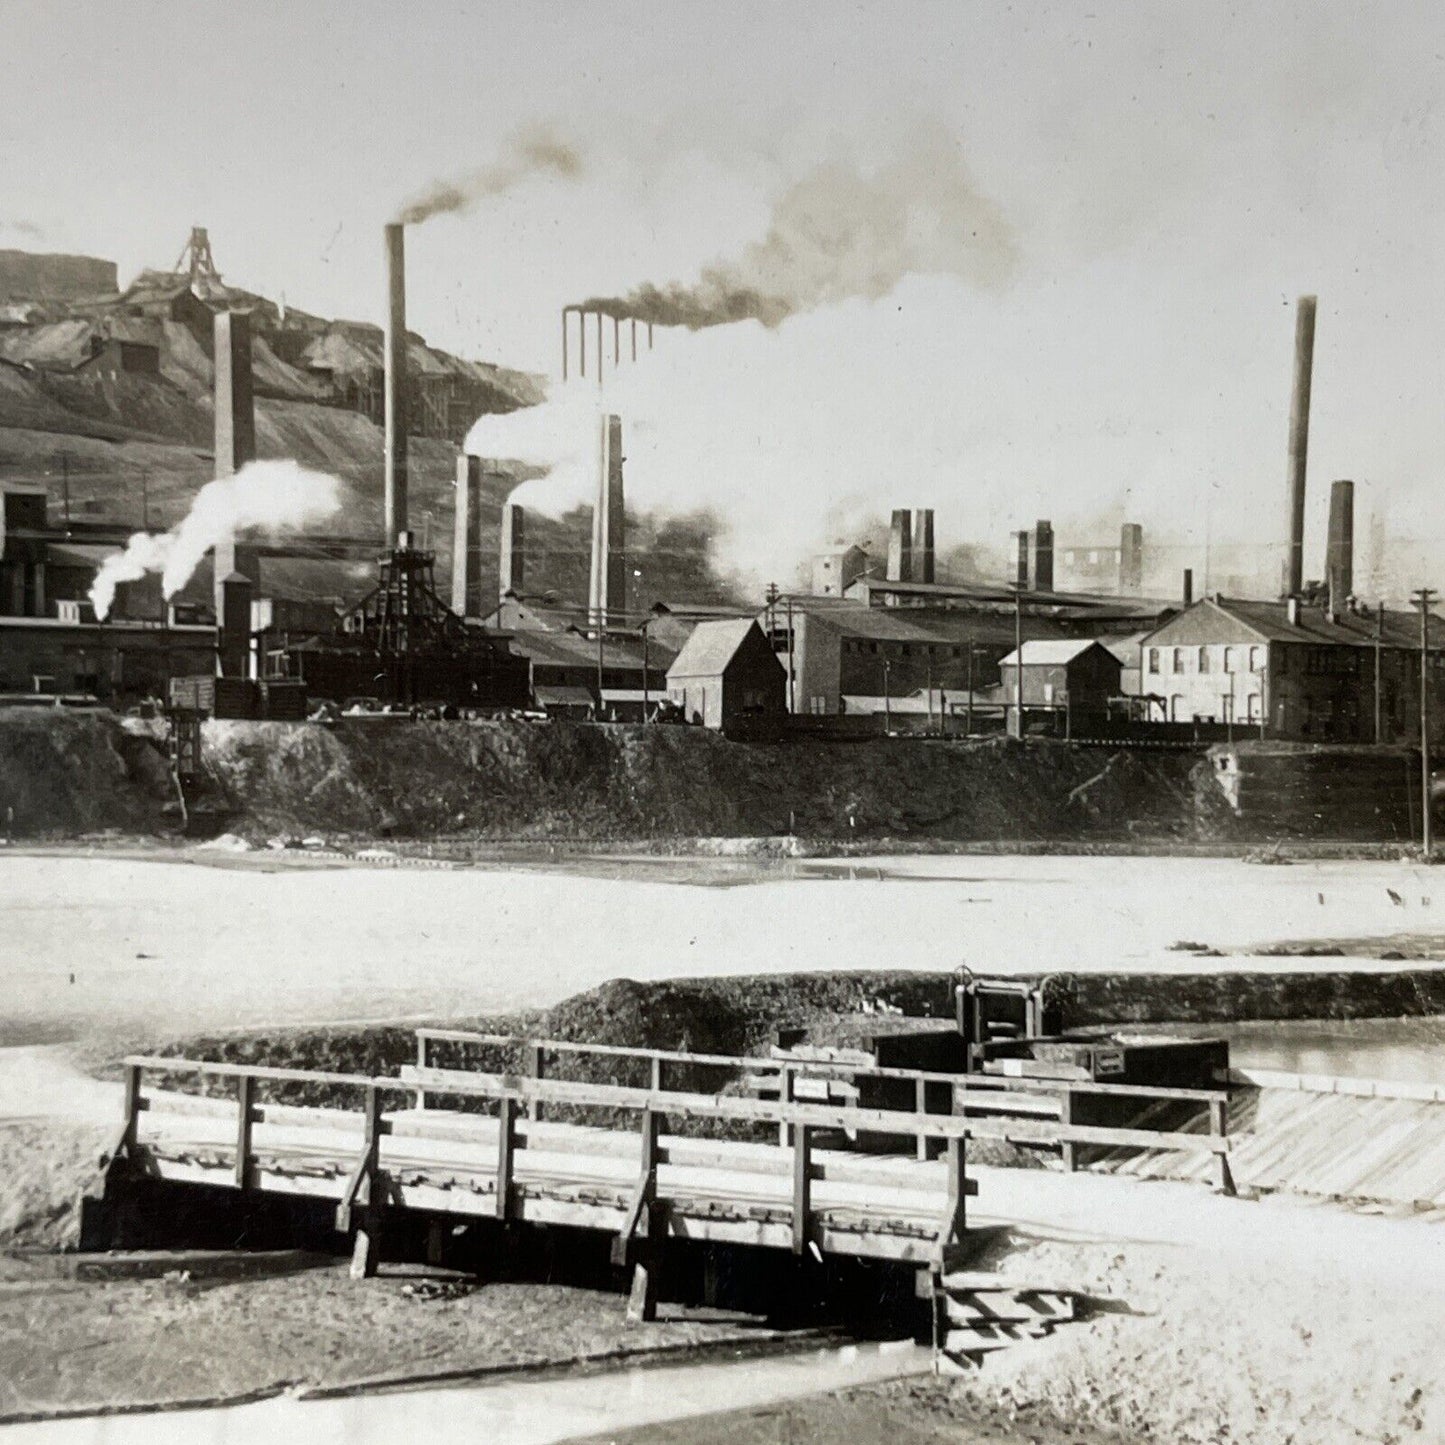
1043 556
910 545
607 593
395 385
596 319
1340 547
1299 440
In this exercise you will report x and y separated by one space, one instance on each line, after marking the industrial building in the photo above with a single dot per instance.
727 677
1073 680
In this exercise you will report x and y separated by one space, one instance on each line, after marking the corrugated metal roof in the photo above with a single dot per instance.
711 647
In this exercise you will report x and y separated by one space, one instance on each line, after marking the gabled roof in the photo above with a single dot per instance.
1270 621
712 646
1052 653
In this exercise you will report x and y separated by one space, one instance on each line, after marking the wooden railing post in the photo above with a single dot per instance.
920 1104
645 1216
785 1096
655 1079
366 1252
132 1109
802 1185
423 1057
1219 1128
955 1213
245 1117
506 1148
537 1068
1068 1149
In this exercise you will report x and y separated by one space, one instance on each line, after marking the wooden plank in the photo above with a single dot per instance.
645 1190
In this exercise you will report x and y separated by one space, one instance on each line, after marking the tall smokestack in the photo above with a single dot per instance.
233 626
395 383
1187 595
923 570
1043 556
1340 548
1131 559
900 546
608 591
235 435
1021 566
467 539
512 562
1299 442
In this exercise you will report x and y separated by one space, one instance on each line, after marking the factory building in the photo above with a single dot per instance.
1295 669
727 677
1075 678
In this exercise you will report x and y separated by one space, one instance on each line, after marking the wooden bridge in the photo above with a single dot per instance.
643 1164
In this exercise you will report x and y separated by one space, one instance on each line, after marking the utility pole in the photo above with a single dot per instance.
969 706
600 626
65 485
1019 656
1422 599
1379 640
790 654
887 705
646 701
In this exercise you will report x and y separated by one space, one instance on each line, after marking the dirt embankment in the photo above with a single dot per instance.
65 773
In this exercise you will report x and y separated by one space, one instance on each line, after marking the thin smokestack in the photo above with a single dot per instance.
900 546
467 539
395 384
235 436
608 589
1131 559
1340 549
1299 441
1021 565
1043 556
1188 590
923 567
512 561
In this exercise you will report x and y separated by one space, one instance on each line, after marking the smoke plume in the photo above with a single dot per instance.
274 497
538 150
842 233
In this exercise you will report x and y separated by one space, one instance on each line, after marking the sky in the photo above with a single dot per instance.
1168 179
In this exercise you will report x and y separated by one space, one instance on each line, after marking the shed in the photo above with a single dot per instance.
727 675
1077 676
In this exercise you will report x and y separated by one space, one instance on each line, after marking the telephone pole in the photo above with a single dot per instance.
1422 599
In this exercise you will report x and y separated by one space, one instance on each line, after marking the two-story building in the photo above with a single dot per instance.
1294 669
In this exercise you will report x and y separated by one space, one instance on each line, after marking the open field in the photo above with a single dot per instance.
96 944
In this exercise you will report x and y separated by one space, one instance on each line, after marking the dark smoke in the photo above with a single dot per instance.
532 152
841 233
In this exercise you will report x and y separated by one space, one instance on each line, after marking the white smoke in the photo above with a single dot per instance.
273 497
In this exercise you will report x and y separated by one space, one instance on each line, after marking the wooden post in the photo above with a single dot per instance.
245 1116
645 1217
132 1108
537 1068
506 1147
957 1169
920 1104
1069 1150
785 1096
802 1185
1219 1127
366 1252
656 1074
422 1060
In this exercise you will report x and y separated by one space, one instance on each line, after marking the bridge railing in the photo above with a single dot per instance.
981 1098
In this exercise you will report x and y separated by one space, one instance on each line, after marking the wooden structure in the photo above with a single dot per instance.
640 1163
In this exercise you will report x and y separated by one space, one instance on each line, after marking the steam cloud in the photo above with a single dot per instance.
538 150
841 233
274 496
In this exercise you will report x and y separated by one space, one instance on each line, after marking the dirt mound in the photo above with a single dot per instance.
565 781
64 772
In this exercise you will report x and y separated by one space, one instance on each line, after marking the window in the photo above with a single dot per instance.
1204 659
1256 659
1178 660
1176 708
1153 659
1231 659
1253 701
